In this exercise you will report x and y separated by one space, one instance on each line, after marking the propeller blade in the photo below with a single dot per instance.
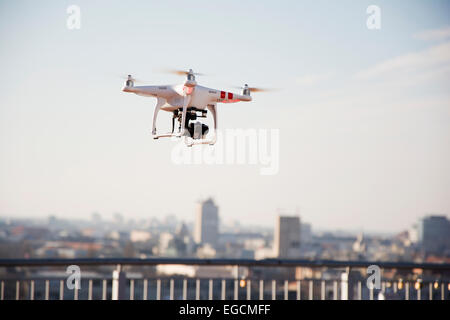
256 89
180 72
125 77
253 89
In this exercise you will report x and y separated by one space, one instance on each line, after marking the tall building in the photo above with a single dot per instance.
434 234
207 223
305 233
287 237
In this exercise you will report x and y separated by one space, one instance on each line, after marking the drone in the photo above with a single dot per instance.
188 102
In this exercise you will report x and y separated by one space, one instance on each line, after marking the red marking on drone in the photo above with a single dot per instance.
222 94
231 101
188 90
230 96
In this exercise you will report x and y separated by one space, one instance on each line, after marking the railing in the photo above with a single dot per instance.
114 280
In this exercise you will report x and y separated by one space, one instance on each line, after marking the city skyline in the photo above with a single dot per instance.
207 237
223 223
363 114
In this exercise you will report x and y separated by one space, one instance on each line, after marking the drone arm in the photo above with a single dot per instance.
159 104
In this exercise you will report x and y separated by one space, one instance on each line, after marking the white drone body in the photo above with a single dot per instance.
187 102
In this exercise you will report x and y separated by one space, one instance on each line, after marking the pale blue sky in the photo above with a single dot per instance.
364 116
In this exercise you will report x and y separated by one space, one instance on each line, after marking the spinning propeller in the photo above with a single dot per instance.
129 77
254 89
182 72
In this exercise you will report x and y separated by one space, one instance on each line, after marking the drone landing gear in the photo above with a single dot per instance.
198 131
193 132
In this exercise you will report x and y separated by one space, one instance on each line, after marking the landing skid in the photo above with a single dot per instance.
166 135
190 142
187 139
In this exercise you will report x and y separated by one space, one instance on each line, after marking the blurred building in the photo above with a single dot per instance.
264 253
360 246
223 272
305 233
413 234
184 243
207 223
140 236
206 251
434 234
287 237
